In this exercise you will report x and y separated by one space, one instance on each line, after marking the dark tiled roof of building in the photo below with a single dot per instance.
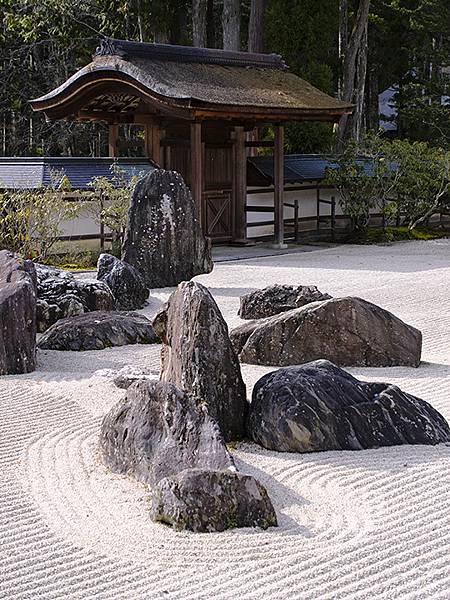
298 168
199 78
35 172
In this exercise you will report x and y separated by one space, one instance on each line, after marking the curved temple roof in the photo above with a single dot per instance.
187 82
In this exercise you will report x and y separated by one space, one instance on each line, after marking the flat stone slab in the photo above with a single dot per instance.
347 331
319 406
98 330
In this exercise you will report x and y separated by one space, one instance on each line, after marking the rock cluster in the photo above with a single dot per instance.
17 314
319 406
124 281
347 331
164 239
198 356
163 437
62 295
277 298
98 330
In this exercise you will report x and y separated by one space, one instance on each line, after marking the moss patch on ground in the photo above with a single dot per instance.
378 235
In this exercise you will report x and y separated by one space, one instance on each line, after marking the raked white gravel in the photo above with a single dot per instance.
369 525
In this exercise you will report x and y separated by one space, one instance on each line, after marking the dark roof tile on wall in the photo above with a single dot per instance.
35 172
298 168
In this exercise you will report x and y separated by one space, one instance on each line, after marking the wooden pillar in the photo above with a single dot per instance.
153 142
113 136
197 170
278 172
239 187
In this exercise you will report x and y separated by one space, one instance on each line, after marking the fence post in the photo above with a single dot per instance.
318 209
296 219
333 217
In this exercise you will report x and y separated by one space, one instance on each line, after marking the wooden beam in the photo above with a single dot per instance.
278 171
259 144
196 182
239 187
113 136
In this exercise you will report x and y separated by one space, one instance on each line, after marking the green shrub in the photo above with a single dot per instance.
411 178
31 220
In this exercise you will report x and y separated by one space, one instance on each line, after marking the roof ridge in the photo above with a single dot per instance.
128 49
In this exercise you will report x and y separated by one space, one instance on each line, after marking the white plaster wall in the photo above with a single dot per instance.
83 224
307 208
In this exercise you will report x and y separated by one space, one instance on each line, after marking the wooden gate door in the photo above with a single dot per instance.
218 215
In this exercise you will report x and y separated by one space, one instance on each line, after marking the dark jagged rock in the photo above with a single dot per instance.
61 295
124 281
203 501
347 331
47 313
275 299
158 431
97 330
17 314
164 240
319 406
161 436
197 355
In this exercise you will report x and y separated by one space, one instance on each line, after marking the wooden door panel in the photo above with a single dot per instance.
218 215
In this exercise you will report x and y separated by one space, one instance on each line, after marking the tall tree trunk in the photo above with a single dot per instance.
358 123
351 82
140 21
343 39
372 102
211 28
256 26
199 22
231 24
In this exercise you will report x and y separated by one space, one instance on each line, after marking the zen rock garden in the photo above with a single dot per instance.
170 431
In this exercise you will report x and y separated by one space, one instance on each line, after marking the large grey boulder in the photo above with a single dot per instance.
204 501
275 299
61 294
158 431
319 406
124 281
161 436
97 330
164 239
347 331
197 356
17 314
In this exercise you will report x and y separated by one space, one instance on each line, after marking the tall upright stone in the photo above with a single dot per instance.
198 357
17 314
164 240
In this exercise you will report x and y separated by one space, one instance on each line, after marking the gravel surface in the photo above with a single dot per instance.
373 524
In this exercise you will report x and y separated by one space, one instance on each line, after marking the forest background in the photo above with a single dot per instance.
352 49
